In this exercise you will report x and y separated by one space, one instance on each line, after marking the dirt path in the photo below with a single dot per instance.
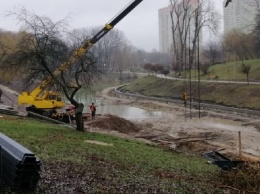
213 131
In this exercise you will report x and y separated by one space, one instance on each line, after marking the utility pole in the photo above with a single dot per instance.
197 12
190 72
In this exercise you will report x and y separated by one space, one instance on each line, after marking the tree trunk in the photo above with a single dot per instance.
1 95
79 121
79 117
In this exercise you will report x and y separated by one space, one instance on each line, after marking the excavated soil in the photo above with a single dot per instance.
113 123
176 130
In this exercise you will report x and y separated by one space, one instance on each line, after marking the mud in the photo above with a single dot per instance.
182 129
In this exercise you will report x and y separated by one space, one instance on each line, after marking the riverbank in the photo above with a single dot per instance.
231 94
213 131
97 163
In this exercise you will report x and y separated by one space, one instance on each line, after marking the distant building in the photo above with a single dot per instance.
240 15
165 31
165 27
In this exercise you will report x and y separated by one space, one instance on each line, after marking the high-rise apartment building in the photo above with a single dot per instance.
240 15
165 26
165 30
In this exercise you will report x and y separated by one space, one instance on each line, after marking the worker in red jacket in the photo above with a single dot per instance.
93 110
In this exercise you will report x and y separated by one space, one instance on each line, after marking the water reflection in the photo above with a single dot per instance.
86 98
226 124
126 111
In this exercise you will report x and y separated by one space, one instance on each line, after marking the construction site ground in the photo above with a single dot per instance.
178 131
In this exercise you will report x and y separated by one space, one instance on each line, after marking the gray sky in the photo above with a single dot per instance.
140 26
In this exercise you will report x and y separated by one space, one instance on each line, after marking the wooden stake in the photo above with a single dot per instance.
239 141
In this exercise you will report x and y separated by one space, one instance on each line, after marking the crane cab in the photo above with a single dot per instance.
48 100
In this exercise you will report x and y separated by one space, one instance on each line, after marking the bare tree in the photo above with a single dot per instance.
40 53
124 59
105 47
141 56
188 19
1 92
120 59
206 17
2 54
205 68
180 18
131 57
242 44
245 69
212 51
256 31
7 44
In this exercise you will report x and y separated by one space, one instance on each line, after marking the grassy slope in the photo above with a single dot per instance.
125 167
230 71
237 95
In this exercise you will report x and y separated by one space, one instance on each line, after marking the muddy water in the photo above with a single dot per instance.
226 124
173 123
127 112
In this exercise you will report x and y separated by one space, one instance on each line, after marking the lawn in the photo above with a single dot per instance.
72 165
234 95
228 71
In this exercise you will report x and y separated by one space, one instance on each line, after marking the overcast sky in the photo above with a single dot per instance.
140 26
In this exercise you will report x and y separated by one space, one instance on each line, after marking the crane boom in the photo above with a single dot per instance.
34 98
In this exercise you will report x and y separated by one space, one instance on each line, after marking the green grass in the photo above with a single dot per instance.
52 142
126 162
229 71
235 95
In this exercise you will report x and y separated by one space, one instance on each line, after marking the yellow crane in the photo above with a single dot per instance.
43 101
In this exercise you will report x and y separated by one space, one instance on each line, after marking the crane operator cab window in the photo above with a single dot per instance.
52 97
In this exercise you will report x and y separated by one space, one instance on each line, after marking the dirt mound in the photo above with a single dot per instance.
114 123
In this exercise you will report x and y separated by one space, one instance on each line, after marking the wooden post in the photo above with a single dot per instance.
239 143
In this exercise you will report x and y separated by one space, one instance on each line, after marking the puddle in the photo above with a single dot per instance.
225 124
127 112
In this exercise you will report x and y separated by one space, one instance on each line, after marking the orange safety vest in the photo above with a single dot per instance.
184 96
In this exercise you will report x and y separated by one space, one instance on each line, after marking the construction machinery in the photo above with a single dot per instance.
45 102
